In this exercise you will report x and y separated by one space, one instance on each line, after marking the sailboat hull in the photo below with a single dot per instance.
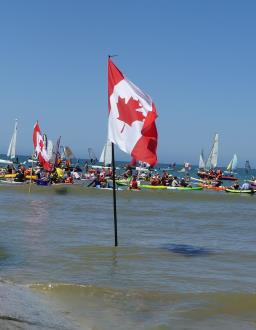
206 175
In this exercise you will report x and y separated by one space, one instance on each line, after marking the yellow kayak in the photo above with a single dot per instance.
8 176
31 177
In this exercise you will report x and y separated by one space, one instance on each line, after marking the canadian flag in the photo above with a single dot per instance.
40 149
132 116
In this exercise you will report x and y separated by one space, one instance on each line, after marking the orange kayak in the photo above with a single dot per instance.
210 186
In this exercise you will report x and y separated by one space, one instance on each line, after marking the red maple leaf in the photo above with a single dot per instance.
127 111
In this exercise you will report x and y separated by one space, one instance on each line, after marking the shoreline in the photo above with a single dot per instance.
21 308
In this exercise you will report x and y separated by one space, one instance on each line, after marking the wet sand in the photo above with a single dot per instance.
21 308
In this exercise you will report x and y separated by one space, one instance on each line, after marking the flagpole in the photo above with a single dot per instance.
114 192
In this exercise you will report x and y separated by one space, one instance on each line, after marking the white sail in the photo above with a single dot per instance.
201 164
212 160
232 166
106 155
229 167
49 148
11 153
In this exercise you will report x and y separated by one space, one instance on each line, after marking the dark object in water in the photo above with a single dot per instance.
187 250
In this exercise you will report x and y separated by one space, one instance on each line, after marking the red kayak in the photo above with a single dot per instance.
228 177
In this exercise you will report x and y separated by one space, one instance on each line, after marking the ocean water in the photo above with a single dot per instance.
185 260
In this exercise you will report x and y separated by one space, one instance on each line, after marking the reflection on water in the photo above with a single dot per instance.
38 211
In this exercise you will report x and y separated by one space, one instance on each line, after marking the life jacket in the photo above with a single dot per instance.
134 184
28 172
60 172
69 179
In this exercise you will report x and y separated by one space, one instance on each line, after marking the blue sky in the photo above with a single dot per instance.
195 58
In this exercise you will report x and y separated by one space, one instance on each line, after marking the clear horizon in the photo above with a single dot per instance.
195 59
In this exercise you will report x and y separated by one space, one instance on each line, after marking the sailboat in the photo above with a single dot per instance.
106 154
232 166
11 153
247 167
201 164
212 161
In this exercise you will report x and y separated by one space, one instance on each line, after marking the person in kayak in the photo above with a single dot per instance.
134 183
236 186
245 186
175 182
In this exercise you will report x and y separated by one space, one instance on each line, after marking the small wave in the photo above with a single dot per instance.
90 290
113 308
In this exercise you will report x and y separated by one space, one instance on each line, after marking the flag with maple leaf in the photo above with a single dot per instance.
132 116
40 149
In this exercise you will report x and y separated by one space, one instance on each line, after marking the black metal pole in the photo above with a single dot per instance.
114 192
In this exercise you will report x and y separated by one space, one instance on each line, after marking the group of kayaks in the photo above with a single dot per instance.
199 186
124 183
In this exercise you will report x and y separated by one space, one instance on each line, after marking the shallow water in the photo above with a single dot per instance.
186 260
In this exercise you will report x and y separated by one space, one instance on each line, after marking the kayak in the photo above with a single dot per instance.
239 191
31 177
8 176
108 188
12 176
197 180
185 188
2 181
209 186
123 182
149 186
228 177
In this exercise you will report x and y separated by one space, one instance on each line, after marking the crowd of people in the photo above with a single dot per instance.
102 177
61 173
169 180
